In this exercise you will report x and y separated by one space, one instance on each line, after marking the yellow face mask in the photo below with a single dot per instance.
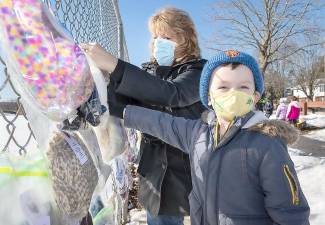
232 104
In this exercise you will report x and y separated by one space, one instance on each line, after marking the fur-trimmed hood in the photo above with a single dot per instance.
260 123
272 128
277 128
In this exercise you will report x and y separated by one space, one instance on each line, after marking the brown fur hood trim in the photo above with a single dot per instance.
277 128
258 122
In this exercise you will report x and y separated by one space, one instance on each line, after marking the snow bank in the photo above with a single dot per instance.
314 120
317 135
311 173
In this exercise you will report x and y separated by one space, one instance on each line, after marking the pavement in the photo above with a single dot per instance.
310 146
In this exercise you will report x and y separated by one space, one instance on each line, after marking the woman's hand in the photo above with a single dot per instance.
103 60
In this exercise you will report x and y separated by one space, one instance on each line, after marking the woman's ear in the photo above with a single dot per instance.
257 97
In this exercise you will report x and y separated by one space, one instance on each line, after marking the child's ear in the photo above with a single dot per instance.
257 97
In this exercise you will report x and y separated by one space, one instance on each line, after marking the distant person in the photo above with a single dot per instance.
282 109
293 111
268 108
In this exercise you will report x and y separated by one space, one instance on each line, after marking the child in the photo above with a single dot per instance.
241 170
293 112
281 110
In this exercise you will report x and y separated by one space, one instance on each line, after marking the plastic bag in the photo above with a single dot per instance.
134 140
43 58
105 216
25 192
74 174
106 208
110 132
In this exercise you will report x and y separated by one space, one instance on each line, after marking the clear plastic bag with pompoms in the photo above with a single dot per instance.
46 63
25 191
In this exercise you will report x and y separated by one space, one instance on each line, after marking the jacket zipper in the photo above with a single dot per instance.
205 219
214 147
293 185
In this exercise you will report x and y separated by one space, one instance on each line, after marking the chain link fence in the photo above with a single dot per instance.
88 21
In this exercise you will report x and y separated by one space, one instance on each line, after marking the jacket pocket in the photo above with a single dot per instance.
195 209
294 189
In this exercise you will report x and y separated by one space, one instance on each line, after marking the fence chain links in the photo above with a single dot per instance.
88 21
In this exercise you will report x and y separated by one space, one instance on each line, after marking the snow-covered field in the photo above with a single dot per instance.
314 120
317 134
311 170
311 173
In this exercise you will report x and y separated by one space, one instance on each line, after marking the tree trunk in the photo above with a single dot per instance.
263 64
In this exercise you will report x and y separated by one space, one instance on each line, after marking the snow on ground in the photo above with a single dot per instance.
314 120
137 217
317 134
311 173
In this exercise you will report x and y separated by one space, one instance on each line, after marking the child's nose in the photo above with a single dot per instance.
233 89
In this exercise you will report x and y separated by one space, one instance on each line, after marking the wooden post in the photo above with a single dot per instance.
305 109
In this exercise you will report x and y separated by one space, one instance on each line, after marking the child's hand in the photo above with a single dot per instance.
104 60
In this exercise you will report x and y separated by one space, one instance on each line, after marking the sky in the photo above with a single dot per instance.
135 15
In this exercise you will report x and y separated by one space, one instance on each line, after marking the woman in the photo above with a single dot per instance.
169 83
293 111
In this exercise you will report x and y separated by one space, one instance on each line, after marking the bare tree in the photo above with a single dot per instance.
276 80
267 26
307 71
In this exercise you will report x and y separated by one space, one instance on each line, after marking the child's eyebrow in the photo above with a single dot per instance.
224 81
247 82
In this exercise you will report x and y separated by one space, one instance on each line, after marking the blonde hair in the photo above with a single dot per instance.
178 21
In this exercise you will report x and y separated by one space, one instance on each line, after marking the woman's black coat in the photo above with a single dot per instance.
165 179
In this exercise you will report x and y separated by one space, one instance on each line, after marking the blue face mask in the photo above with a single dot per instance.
164 51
